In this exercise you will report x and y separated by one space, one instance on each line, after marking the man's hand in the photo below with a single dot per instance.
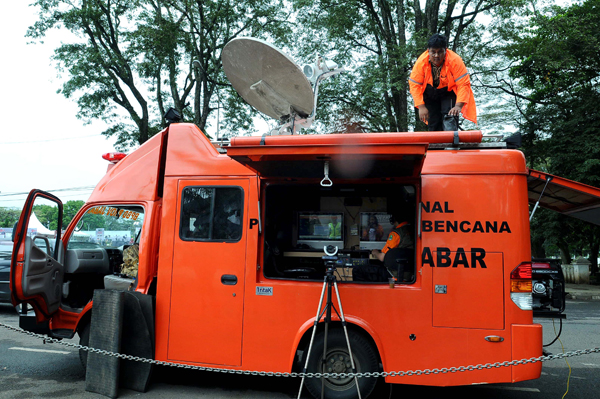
377 254
423 113
455 111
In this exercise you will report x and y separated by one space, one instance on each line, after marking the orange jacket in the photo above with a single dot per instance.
454 76
395 239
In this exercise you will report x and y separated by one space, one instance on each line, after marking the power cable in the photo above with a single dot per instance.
23 199
49 140
84 188
568 365
559 332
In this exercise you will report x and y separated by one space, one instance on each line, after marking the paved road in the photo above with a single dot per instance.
56 372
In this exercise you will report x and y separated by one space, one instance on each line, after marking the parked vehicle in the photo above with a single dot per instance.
548 288
5 255
231 243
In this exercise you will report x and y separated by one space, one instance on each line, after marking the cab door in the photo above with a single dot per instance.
36 274
207 285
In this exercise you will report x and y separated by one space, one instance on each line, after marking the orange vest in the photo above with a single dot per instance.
454 75
395 239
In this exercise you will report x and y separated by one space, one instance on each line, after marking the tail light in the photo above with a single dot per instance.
520 286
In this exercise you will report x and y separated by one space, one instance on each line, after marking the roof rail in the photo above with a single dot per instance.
468 146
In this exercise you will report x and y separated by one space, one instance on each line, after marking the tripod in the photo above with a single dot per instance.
328 284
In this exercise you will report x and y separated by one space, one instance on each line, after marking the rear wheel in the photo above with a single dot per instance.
84 340
337 360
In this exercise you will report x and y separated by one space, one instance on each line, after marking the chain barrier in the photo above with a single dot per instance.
378 374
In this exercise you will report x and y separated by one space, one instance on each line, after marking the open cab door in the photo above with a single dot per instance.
36 274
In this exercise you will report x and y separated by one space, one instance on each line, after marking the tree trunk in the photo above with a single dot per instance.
565 254
594 249
537 248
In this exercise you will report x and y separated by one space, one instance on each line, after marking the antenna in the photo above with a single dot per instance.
274 84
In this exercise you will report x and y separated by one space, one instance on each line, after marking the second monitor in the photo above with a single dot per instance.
375 228
317 229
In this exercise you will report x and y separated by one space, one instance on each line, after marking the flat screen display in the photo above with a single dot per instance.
374 227
320 226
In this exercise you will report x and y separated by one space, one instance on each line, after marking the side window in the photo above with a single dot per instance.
211 214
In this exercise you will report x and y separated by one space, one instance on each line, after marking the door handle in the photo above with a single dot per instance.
229 279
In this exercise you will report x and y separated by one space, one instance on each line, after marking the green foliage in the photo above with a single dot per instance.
70 209
557 70
48 214
9 216
127 62
380 42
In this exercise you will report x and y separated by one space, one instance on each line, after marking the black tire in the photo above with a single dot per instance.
365 359
84 340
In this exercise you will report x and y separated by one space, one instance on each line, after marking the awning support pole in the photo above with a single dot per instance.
548 179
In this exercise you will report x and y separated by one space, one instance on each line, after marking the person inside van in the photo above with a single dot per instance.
401 235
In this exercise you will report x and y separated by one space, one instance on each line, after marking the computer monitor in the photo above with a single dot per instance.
318 229
375 228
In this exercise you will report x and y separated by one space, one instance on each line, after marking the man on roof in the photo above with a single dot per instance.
441 87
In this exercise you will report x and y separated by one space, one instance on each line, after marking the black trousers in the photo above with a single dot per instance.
438 103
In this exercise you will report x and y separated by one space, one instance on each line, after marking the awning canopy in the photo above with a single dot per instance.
565 196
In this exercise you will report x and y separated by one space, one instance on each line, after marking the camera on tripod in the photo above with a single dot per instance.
330 258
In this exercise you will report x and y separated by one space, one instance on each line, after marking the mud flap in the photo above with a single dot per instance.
102 372
122 322
137 339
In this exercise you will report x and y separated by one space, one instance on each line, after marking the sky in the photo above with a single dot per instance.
42 143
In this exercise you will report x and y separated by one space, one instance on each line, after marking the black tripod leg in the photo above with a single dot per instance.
312 338
328 306
343 319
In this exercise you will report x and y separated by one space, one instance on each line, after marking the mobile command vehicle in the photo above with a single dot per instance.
231 243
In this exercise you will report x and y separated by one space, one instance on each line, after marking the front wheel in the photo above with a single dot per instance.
337 360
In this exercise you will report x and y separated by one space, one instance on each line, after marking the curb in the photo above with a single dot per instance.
582 297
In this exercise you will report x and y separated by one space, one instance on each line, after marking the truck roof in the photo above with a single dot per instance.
190 153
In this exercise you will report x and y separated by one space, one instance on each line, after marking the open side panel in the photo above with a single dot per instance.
565 196
303 157
36 274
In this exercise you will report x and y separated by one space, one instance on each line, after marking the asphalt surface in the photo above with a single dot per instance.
54 371
585 292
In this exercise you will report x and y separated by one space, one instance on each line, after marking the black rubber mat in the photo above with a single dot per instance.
102 372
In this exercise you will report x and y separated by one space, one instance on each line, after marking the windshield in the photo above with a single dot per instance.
108 226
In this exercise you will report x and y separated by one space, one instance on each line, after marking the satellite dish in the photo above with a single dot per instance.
267 79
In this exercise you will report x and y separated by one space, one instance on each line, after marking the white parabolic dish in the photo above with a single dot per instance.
266 78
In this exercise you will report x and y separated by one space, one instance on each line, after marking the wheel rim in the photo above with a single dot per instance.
338 361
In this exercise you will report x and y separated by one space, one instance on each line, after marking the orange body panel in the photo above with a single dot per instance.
134 178
525 339
474 231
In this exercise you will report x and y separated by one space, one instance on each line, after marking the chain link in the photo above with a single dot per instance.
308 375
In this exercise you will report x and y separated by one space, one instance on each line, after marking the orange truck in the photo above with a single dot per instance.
231 239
